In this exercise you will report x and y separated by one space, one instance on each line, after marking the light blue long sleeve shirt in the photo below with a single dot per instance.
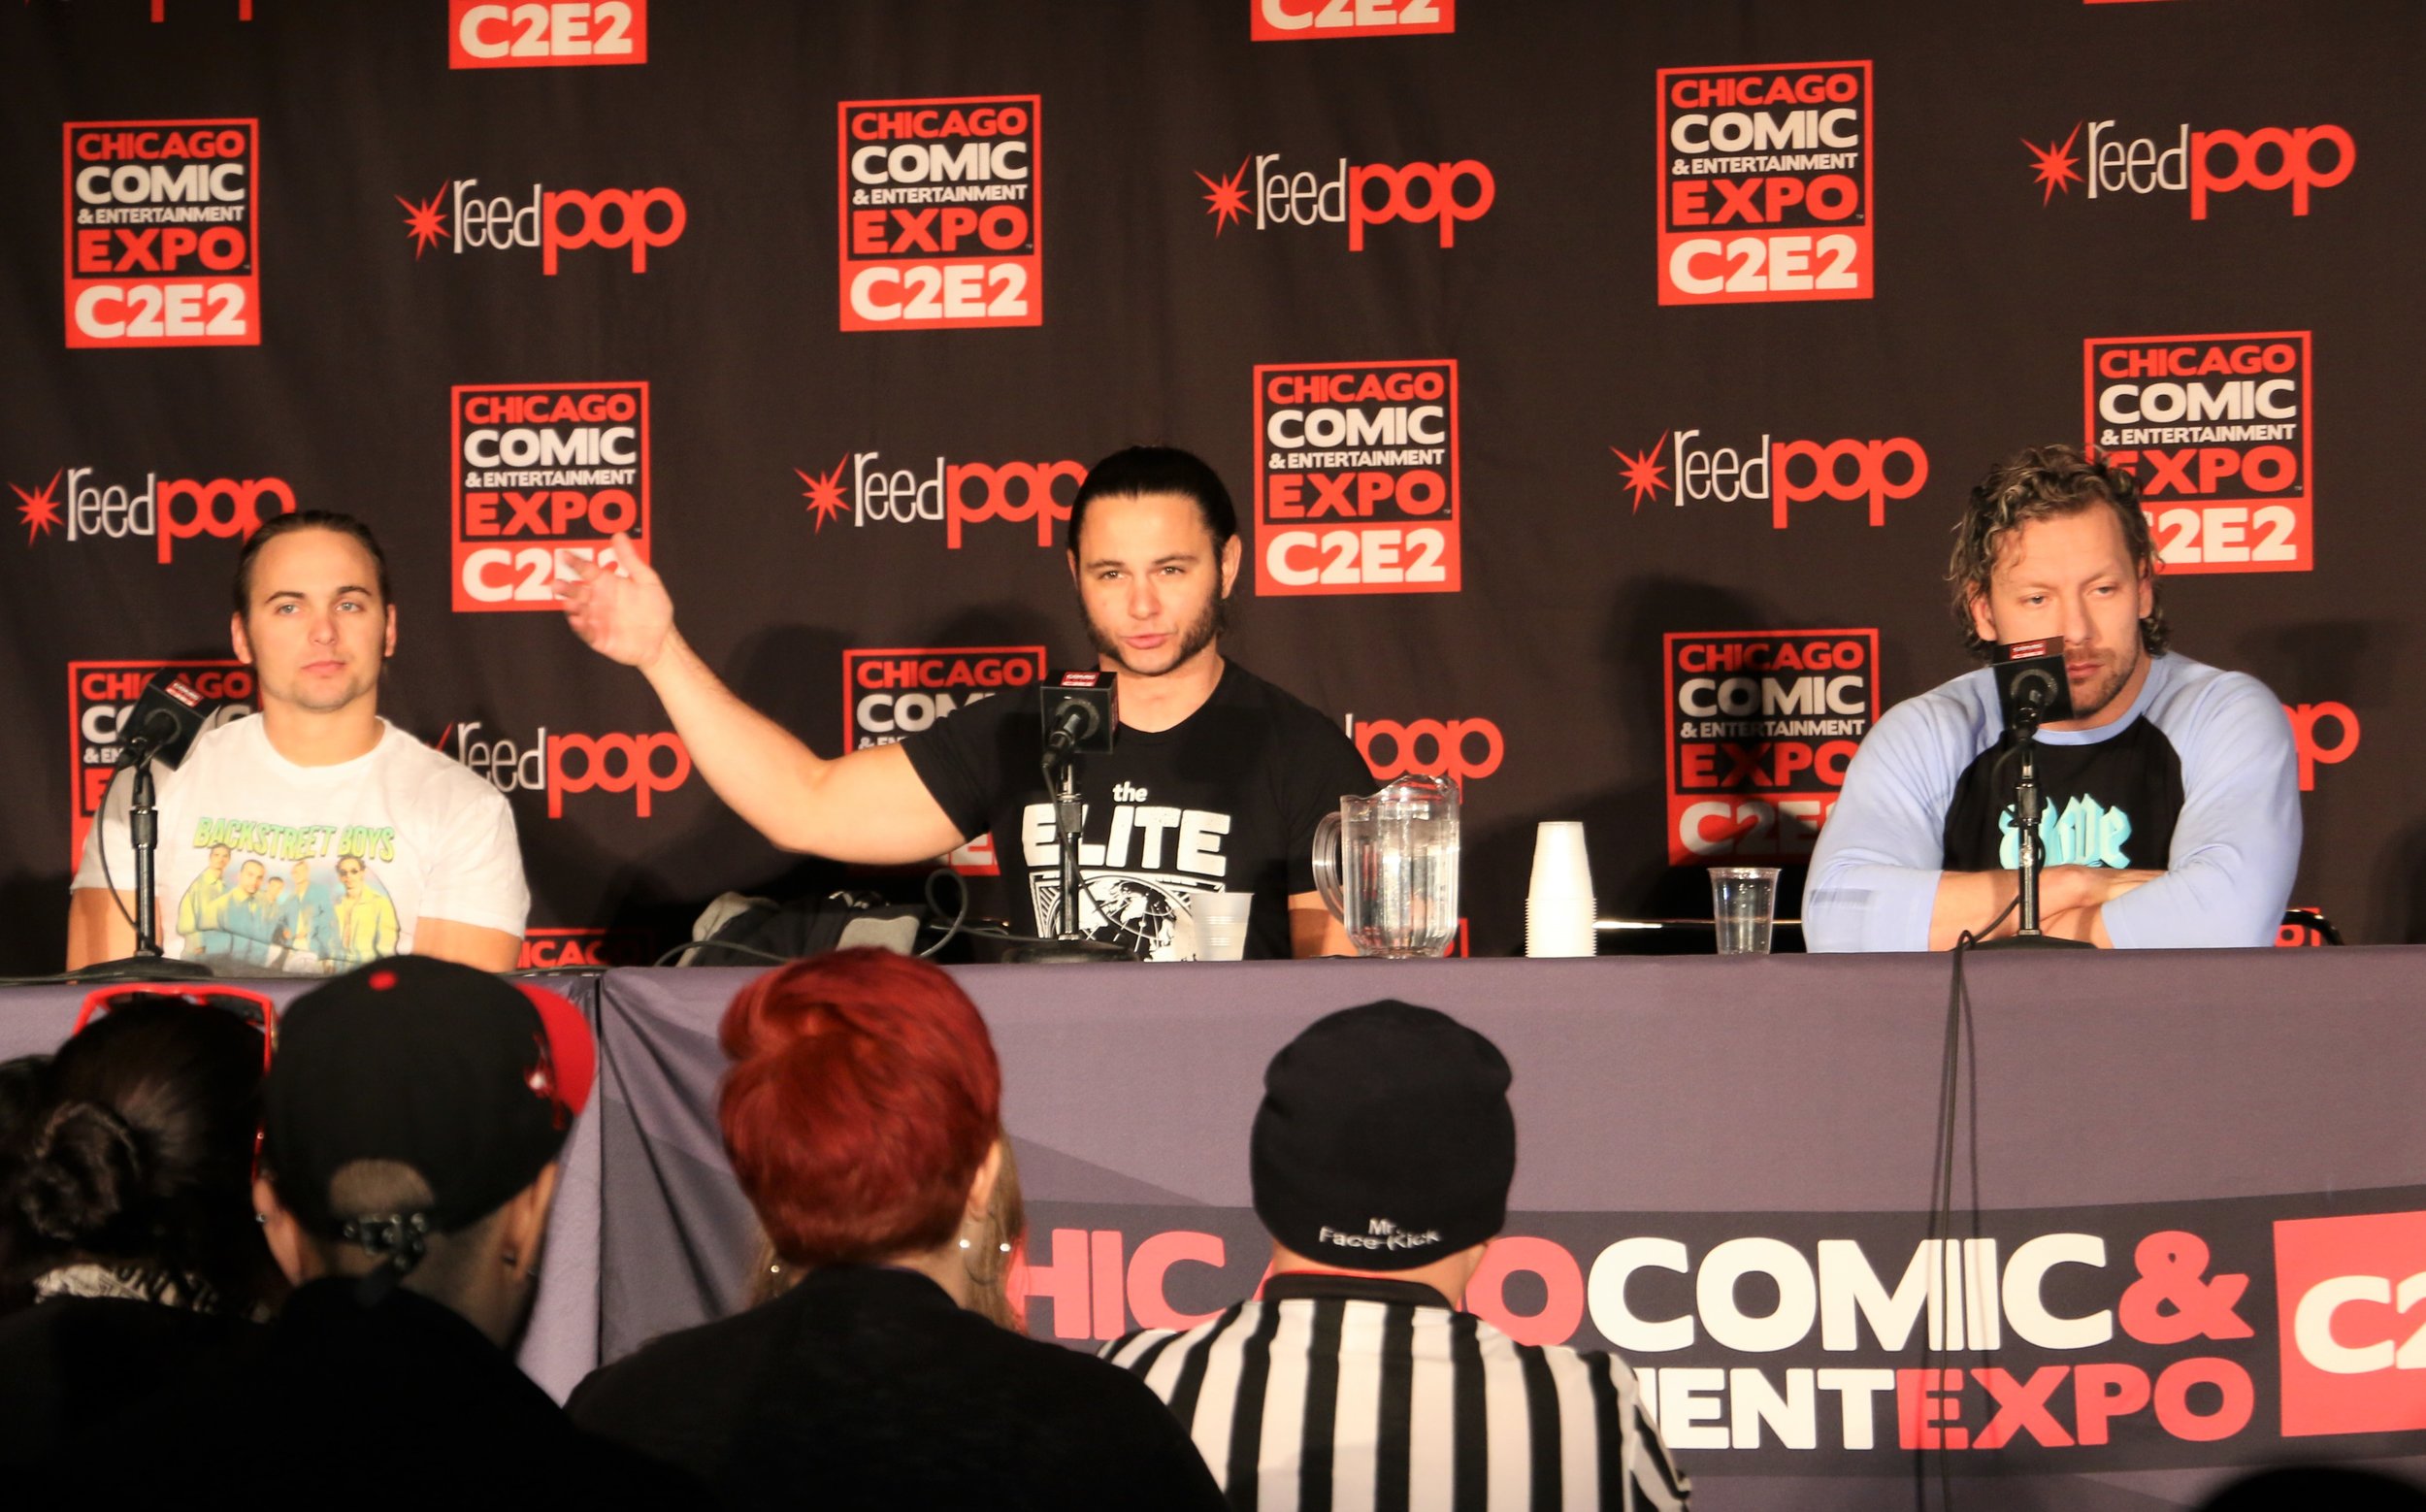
2236 845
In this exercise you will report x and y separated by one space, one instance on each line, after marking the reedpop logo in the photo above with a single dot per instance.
221 506
2201 163
958 494
560 765
554 221
1848 471
1359 196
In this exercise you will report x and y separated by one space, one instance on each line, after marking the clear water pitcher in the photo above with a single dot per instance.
1388 867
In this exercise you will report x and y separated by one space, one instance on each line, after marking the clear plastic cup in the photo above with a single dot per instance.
1744 905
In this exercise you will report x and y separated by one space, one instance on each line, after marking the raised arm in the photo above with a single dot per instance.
867 805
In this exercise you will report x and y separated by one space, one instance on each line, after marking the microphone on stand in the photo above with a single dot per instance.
1080 714
165 721
167 718
2032 689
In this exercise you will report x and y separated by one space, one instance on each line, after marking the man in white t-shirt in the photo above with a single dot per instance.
380 846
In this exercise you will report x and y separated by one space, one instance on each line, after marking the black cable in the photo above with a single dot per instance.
724 944
1969 939
959 918
1958 1065
99 815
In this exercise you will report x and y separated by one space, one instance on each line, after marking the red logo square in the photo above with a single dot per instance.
2351 1293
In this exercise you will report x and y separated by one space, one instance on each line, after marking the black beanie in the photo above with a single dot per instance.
1384 1140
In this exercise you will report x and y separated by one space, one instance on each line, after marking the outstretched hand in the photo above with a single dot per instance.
621 609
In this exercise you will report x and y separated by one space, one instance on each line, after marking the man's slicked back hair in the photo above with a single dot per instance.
1157 470
278 525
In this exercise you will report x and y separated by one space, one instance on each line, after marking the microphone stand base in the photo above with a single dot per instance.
143 968
2033 943
1065 952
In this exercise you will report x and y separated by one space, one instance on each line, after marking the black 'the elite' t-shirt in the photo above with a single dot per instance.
1225 800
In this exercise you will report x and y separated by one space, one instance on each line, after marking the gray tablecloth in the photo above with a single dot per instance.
1726 1168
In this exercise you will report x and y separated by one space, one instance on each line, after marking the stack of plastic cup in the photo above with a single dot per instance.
1559 912
1220 924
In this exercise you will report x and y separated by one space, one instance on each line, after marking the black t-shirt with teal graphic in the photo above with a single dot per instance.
1225 800
2113 803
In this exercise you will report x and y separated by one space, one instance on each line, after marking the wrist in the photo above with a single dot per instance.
2060 890
663 657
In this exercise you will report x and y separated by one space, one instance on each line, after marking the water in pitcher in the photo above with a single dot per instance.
1402 892
1387 867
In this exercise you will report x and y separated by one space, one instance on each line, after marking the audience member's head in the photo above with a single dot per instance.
412 1126
992 1248
128 1157
863 1114
1385 1145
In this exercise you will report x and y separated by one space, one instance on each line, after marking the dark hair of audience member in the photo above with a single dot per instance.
138 1157
864 1094
25 1083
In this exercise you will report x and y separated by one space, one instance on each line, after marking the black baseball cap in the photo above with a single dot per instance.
471 1081
1384 1140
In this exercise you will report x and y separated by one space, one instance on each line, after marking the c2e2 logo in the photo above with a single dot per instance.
2349 1292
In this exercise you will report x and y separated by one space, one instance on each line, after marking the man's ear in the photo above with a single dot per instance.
285 1234
1073 565
523 1223
1232 553
1981 624
391 631
236 635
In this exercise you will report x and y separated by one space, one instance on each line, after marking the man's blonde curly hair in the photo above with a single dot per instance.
2044 483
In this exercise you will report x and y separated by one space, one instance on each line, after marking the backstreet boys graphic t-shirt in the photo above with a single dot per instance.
267 868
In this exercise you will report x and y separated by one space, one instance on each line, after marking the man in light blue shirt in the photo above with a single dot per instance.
2170 800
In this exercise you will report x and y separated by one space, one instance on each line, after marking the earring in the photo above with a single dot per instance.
965 1244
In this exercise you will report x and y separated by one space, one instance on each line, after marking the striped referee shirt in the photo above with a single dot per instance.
1352 1393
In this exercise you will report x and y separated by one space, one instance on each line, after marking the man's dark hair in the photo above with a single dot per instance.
278 525
1157 470
2045 483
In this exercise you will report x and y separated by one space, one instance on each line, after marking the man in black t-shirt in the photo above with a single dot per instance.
1216 780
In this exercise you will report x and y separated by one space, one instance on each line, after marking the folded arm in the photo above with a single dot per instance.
2237 844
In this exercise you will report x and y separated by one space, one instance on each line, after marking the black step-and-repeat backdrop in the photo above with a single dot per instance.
1597 382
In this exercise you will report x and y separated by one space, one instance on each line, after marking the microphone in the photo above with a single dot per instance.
165 720
1080 712
2032 688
